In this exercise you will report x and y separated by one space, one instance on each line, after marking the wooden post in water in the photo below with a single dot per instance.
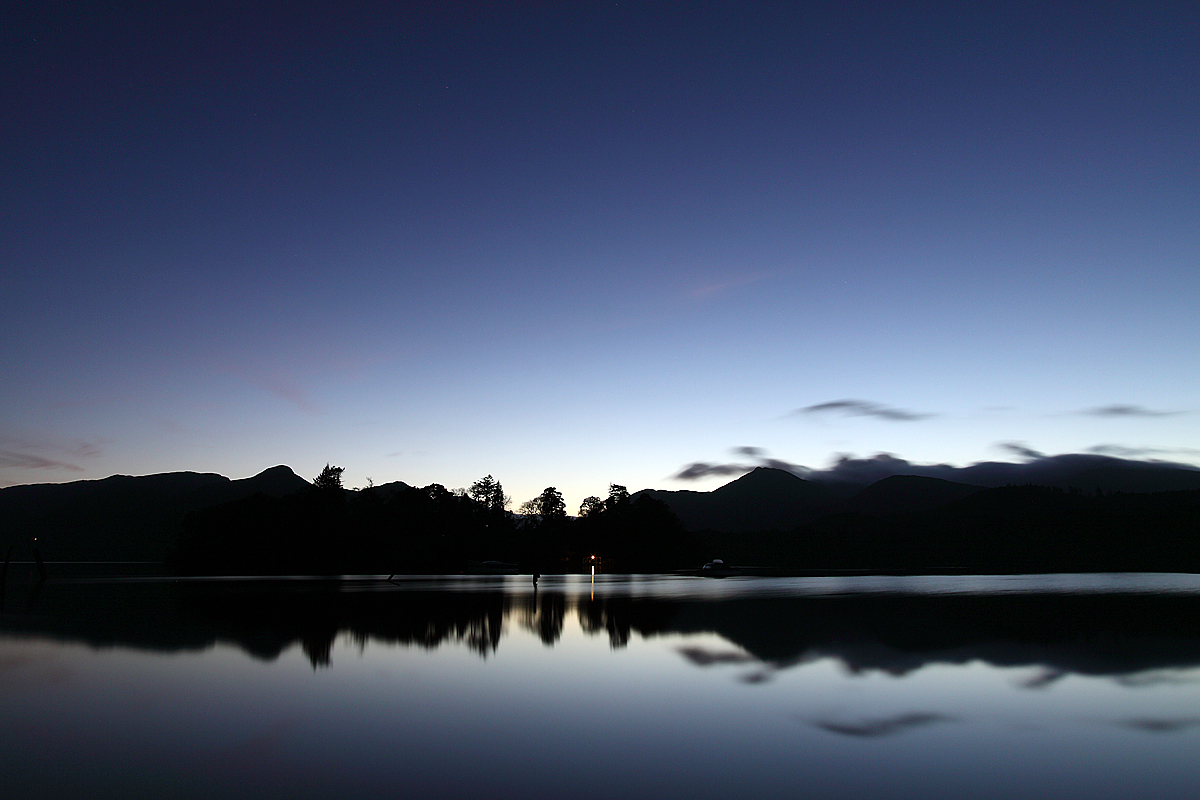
4 575
37 556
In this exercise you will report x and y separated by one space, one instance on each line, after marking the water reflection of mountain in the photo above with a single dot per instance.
1117 635
1082 634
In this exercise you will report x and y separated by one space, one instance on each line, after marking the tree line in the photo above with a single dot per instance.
330 530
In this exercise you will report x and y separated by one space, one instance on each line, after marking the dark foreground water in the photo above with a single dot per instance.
1041 686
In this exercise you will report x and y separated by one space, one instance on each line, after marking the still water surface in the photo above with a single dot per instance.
1030 686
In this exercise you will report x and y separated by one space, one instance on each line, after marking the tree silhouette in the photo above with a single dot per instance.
488 492
591 505
549 505
618 497
330 478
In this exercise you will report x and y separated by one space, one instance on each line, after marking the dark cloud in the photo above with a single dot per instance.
1038 469
39 452
1074 469
87 449
1119 410
865 408
848 469
700 469
1124 451
1021 449
18 460
786 466
883 727
289 391
703 469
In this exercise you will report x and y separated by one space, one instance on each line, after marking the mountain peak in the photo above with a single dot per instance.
763 483
276 481
280 471
766 498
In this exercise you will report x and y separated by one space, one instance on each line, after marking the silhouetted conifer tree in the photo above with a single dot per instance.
330 478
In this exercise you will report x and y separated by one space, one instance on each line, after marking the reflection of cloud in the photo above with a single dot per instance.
865 408
1160 725
43 667
1157 678
1118 410
883 727
252 750
760 676
703 657
1042 679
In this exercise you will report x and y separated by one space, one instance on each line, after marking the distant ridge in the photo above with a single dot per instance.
902 494
122 517
1086 471
769 499
764 499
1054 513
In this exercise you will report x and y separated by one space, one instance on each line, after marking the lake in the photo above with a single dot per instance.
1055 686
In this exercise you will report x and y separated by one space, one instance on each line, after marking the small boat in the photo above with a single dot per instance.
717 569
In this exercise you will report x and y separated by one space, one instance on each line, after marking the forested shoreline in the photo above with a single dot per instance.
767 521
429 530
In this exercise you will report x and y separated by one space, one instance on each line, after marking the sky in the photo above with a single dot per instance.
574 244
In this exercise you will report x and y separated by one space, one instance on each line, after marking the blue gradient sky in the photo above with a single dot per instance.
574 244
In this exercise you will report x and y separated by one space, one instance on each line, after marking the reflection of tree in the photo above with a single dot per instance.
318 648
542 613
269 616
482 632
1117 635
596 617
552 611
619 616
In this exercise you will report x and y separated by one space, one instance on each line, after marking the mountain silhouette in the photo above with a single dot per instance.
122 517
901 494
1085 471
764 499
1088 471
1070 513
1011 529
774 499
